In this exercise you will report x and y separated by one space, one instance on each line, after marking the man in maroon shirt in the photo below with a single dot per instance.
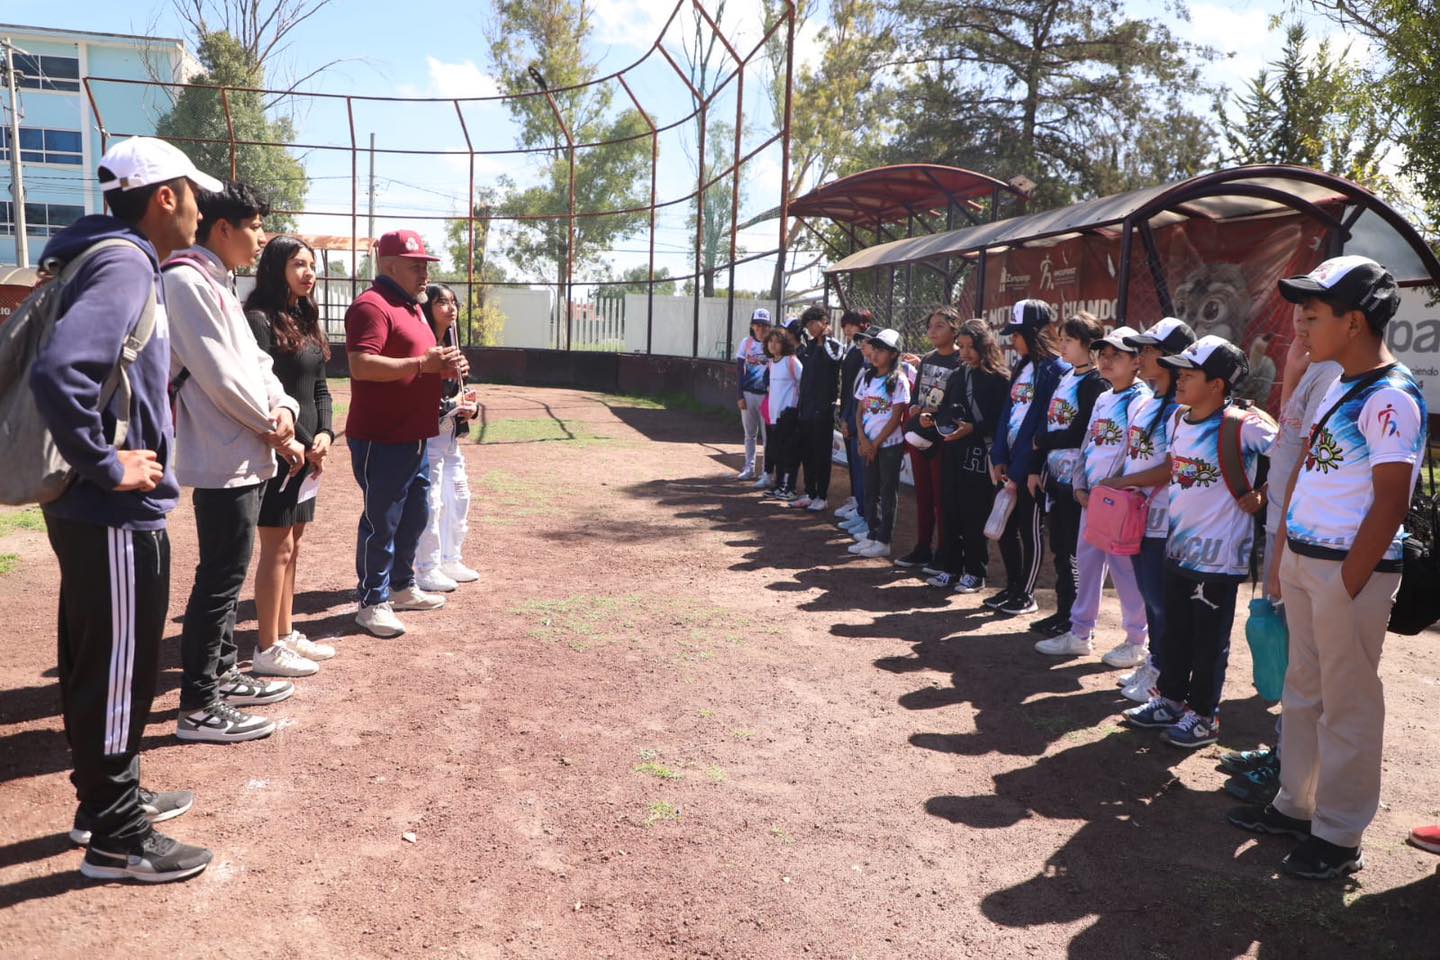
395 374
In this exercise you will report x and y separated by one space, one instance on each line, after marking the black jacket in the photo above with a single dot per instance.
819 380
972 396
850 369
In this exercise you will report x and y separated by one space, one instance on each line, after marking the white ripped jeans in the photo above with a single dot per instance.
449 501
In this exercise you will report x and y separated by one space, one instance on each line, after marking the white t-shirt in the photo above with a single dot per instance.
1143 452
1022 394
752 352
1295 419
1384 423
876 404
1064 408
1104 446
784 386
1210 536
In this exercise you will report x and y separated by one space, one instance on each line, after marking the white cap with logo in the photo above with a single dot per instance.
145 161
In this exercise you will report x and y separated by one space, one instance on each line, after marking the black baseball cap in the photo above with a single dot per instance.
1171 335
1358 282
1216 357
1029 315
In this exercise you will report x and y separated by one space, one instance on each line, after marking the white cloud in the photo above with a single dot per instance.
628 23
463 79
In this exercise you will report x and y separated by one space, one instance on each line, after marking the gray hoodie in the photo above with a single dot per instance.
223 405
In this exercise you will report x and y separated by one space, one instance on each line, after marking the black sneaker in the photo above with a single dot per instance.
997 600
246 690
1267 819
1317 859
1018 604
1243 761
918 557
157 807
157 859
1044 625
1258 787
222 723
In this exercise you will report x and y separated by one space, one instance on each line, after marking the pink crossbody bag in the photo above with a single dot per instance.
1115 520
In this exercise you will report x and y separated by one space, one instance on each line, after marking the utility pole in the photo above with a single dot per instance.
17 179
370 227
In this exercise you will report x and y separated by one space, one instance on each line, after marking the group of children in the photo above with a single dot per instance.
1084 419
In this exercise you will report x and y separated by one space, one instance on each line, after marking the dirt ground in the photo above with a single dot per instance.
676 721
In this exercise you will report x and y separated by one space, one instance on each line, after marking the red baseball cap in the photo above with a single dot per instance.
403 243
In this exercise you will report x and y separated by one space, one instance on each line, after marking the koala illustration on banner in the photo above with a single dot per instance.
1214 298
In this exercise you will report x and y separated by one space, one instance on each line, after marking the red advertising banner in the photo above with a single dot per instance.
11 296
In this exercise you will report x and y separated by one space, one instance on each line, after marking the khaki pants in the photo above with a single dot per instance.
1334 703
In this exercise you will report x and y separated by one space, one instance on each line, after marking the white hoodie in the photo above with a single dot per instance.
224 404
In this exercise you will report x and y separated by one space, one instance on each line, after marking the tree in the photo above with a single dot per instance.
541 44
1076 94
1311 109
637 280
199 115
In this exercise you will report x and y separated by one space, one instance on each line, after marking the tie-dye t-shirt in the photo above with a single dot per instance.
1064 408
1146 448
1383 423
877 403
1022 394
1210 536
1104 447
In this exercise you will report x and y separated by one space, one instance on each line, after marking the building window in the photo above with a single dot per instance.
44 146
41 219
60 74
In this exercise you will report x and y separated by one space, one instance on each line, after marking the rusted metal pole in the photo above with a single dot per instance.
230 128
699 225
785 161
734 208
354 198
470 223
654 172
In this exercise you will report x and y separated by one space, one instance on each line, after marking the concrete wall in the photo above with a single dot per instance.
674 324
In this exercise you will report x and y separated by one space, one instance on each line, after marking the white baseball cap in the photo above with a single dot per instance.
145 161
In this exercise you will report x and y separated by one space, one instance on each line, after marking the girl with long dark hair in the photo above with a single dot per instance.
286 323
439 567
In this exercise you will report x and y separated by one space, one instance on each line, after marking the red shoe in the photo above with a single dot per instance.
1426 838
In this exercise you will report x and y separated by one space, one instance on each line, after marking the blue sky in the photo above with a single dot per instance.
428 48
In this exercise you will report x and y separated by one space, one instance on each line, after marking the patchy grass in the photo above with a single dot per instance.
779 834
661 811
28 518
581 621
8 563
658 770
513 499
339 406
742 734
539 430
679 402
714 774
706 713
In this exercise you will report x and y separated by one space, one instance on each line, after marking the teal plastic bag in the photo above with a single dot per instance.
1269 640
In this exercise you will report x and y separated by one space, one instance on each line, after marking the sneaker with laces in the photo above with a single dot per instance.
1065 645
414 598
156 859
1019 604
915 558
969 583
817 506
458 572
1258 787
306 647
222 723
157 807
943 580
1317 859
876 549
246 690
1044 625
1192 730
860 533
997 600
378 619
931 569
1142 684
1243 761
763 482
786 496
281 661
847 509
747 474
1157 713
1426 838
434 581
1126 655
859 545
1256 818
801 502
856 521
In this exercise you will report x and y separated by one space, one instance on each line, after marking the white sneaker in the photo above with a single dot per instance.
1142 682
434 581
1065 645
762 482
861 532
1126 655
414 598
460 573
306 647
859 545
847 509
281 661
747 474
817 505
801 501
876 549
379 619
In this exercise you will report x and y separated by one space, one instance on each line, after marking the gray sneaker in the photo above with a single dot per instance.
157 859
222 723
247 690
157 807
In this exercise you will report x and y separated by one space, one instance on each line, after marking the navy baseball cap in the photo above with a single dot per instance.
1216 357
1357 281
1030 315
1171 335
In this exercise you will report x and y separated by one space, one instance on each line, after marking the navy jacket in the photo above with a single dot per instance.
1020 458
99 309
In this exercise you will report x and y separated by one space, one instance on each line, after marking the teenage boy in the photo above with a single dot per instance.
852 327
820 358
750 381
1339 564
230 415
108 529
1211 537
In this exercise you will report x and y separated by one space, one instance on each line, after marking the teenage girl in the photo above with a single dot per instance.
286 324
750 381
1032 382
782 412
883 394
966 420
933 373
1059 441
